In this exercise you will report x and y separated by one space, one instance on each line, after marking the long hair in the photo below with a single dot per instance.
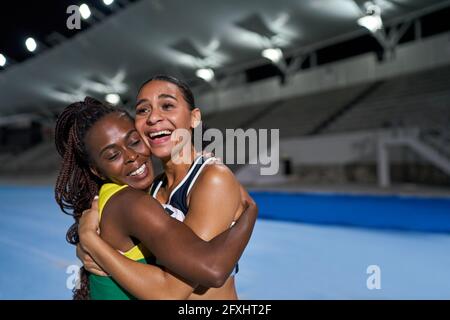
76 186
187 95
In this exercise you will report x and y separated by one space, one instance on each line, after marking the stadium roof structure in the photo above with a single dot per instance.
121 45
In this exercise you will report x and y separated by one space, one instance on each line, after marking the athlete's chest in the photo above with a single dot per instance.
168 196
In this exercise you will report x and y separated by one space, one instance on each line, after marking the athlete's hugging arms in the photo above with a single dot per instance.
102 151
199 265
209 266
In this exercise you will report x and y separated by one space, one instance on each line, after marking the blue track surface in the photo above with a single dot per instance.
392 212
318 257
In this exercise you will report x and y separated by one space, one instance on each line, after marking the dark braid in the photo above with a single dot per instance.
76 186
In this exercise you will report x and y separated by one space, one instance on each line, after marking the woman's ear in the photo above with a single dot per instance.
196 117
96 173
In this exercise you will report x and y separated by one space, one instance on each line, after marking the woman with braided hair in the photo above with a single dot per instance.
103 154
201 191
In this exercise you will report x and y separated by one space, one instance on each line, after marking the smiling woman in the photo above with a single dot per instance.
103 153
160 99
119 132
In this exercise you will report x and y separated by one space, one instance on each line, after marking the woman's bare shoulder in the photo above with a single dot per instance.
129 199
128 193
216 171
215 176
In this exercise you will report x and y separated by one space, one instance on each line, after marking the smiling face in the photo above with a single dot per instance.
161 108
118 153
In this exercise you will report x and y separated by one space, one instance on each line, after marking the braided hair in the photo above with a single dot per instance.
76 186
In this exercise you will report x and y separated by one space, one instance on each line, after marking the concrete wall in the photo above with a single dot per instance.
340 149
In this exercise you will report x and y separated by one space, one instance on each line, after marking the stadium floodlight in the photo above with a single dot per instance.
372 20
371 23
273 54
206 74
2 60
85 11
108 2
31 44
112 98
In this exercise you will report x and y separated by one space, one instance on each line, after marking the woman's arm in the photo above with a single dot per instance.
144 281
213 205
175 245
214 202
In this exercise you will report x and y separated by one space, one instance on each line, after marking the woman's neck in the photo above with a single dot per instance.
175 172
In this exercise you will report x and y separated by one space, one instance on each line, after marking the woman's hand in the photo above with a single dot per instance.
88 263
88 231
89 222
246 201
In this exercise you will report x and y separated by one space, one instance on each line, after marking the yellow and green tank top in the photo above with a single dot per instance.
106 288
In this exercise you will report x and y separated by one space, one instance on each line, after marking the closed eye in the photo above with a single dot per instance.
113 157
135 143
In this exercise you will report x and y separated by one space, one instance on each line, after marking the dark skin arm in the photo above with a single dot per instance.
173 243
161 283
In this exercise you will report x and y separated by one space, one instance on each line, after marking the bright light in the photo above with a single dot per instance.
85 11
206 74
273 54
372 23
112 98
31 44
108 2
372 20
2 60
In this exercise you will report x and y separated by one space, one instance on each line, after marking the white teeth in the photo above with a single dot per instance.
154 134
139 171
